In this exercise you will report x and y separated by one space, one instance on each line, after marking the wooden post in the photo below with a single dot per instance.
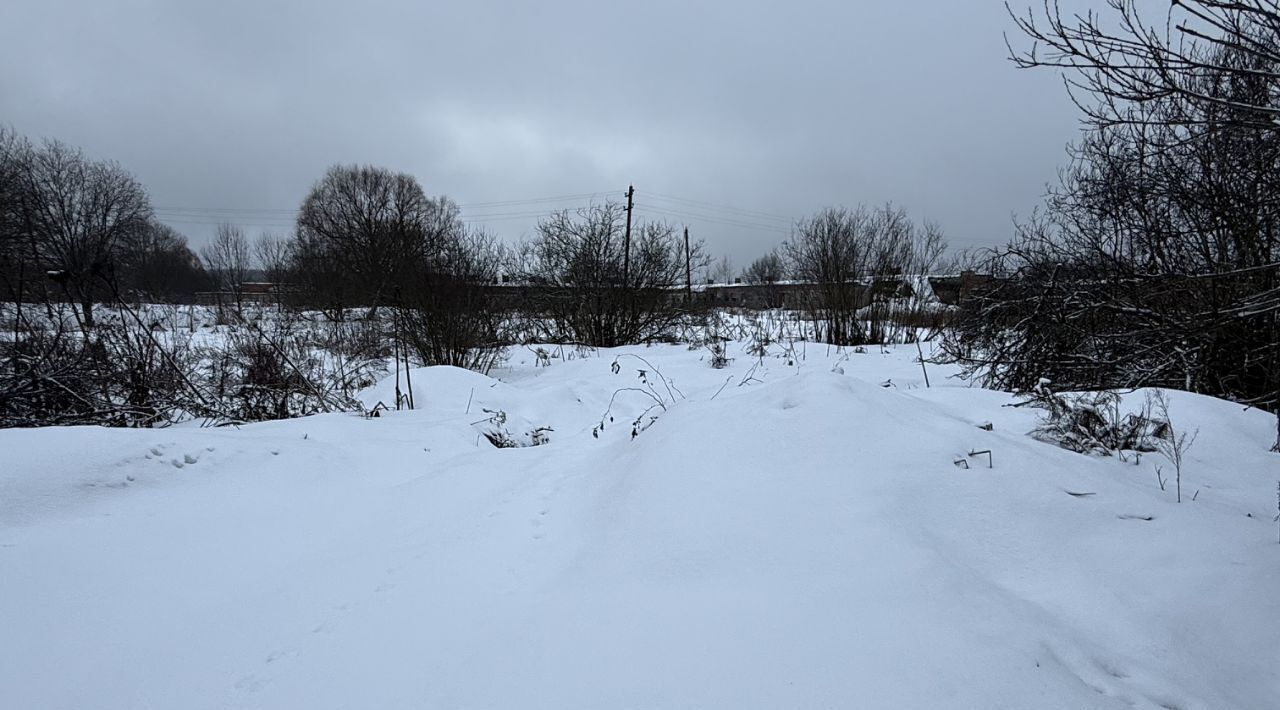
626 239
688 267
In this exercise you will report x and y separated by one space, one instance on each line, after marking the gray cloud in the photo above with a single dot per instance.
778 108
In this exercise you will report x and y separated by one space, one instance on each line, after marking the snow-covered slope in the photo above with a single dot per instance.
781 536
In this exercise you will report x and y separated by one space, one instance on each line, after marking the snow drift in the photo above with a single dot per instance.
779 537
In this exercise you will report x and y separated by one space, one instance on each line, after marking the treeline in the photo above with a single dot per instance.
376 272
368 242
368 239
1154 261
82 231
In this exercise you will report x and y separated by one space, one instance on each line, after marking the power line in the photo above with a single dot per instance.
559 198
715 207
723 221
244 210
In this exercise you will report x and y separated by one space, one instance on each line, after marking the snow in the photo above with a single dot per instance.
802 538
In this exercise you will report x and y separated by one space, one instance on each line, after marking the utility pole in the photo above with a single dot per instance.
688 267
626 239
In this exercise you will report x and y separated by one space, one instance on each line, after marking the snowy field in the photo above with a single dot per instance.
788 532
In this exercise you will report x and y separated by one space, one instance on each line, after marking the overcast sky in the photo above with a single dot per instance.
231 110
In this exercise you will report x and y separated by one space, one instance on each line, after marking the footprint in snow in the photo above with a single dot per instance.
281 654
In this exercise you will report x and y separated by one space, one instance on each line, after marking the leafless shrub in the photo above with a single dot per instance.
270 370
1173 445
449 314
855 259
120 373
593 287
656 398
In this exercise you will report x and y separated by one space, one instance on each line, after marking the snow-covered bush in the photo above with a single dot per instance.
719 355
494 428
1092 423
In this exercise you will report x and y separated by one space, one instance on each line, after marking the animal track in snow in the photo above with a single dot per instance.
281 654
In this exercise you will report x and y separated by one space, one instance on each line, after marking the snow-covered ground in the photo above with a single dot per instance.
784 534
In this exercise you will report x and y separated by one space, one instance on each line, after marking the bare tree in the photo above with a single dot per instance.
1126 56
15 263
575 268
928 249
1156 260
765 270
853 258
831 251
272 254
721 271
373 226
157 265
77 213
227 260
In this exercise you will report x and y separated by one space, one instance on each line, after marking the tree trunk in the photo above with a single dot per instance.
86 309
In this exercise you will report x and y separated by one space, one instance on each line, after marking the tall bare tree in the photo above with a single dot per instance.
374 227
271 253
15 267
77 214
227 260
